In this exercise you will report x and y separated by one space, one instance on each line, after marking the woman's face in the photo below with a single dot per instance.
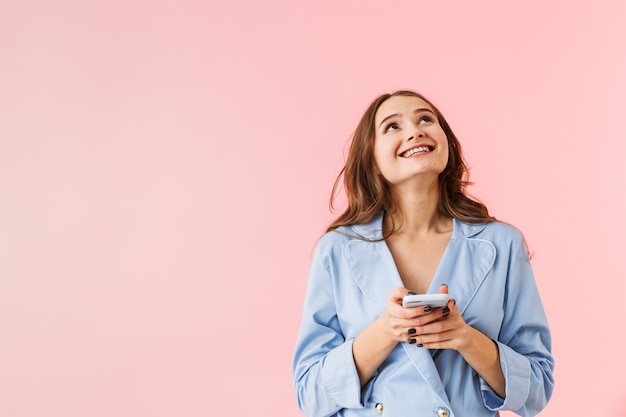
409 142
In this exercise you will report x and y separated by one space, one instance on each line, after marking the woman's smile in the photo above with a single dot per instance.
408 130
418 150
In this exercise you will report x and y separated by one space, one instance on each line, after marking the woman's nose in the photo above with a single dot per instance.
417 133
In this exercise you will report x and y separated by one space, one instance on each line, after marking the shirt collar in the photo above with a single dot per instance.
373 230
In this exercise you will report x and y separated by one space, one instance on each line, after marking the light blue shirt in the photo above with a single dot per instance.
488 273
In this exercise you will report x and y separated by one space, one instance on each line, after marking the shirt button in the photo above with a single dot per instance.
379 408
443 412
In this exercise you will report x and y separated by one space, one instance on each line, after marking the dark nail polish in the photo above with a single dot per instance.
445 310
428 309
411 341
412 331
419 345
411 293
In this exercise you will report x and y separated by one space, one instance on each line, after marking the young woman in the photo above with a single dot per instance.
410 227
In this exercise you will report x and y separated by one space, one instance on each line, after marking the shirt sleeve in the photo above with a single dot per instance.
524 343
324 373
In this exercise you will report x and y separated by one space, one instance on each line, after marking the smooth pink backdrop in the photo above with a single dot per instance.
165 169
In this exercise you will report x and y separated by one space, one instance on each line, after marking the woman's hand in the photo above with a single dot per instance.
402 324
396 324
442 328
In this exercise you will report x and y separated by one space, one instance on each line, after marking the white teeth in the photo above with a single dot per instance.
413 151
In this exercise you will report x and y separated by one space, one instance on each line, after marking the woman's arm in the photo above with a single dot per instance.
325 377
524 341
372 346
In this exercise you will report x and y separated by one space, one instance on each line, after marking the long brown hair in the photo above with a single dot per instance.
368 193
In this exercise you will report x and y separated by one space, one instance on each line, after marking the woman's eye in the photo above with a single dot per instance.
391 126
425 119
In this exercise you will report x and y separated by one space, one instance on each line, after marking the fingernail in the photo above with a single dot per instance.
428 309
412 331
419 345
445 284
454 301
445 310
411 293
412 341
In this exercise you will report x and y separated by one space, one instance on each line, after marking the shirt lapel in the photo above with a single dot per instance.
465 263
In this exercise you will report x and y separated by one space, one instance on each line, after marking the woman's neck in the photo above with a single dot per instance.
416 212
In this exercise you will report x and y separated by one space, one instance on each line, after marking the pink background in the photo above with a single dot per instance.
165 170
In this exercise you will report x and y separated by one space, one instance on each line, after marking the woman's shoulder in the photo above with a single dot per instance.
495 231
338 236
336 239
370 231
502 228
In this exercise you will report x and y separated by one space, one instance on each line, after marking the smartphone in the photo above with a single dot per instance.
433 300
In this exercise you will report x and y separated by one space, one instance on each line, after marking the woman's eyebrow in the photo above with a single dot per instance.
387 118
396 114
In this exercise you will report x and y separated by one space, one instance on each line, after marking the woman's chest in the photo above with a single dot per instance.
417 260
